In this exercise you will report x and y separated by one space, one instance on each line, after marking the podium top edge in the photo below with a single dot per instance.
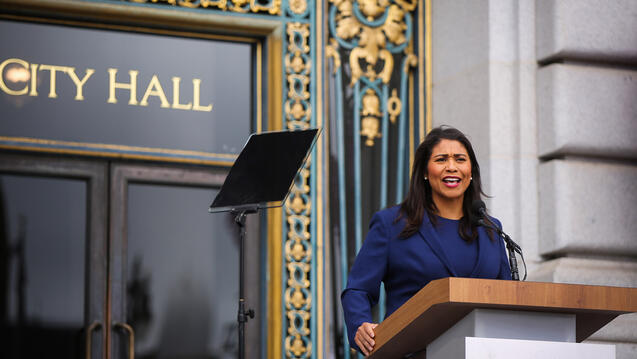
538 294
441 302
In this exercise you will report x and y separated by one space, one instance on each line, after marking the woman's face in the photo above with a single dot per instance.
448 171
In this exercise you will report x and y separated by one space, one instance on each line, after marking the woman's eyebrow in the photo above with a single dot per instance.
447 155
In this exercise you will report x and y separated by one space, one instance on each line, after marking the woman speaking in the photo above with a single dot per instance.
429 236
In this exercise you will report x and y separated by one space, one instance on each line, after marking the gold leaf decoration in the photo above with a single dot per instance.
371 104
240 6
298 209
370 128
298 6
394 106
394 27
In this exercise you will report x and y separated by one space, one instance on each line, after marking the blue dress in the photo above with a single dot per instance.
405 265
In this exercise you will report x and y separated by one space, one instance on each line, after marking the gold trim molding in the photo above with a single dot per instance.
298 209
240 6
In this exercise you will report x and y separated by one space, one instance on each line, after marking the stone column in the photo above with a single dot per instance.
587 141
547 92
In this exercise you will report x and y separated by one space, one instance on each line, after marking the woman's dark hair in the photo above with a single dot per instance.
419 197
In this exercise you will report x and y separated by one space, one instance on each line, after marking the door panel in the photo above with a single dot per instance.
46 226
174 266
175 302
173 278
48 244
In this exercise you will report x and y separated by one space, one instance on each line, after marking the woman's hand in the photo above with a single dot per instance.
364 337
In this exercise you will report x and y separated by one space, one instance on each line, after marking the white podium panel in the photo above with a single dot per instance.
493 348
494 334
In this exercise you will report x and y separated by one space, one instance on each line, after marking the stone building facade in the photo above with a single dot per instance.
548 92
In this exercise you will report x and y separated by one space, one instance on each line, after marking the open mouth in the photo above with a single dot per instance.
451 181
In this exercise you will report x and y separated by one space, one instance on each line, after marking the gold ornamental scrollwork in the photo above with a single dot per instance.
394 106
240 6
298 6
331 50
298 38
370 129
298 208
372 40
298 65
370 113
373 33
298 258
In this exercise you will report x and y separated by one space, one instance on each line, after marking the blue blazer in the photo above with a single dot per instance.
405 265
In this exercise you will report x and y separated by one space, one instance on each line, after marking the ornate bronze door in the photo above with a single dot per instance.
174 267
53 257
172 281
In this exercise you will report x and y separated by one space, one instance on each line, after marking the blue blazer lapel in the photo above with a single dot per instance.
430 236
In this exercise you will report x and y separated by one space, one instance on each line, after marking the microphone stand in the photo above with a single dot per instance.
511 246
245 192
243 314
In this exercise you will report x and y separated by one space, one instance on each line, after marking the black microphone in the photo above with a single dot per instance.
479 210
478 207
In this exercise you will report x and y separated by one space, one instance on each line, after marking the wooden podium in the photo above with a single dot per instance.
442 303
